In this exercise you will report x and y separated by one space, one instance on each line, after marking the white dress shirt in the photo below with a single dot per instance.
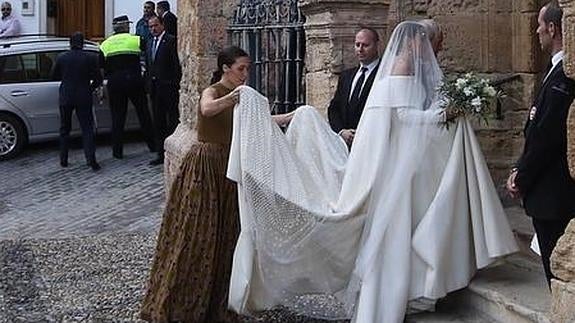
370 69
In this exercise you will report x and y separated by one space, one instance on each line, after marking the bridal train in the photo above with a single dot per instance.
410 213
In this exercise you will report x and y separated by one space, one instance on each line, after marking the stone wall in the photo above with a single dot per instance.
202 33
330 30
563 258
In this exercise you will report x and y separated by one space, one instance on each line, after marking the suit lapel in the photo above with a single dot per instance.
349 84
539 99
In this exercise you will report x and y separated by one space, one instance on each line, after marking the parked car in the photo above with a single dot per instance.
29 109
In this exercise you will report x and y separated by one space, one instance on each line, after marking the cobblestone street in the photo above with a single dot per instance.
76 245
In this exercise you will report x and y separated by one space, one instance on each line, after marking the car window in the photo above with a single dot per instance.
33 67
11 69
38 66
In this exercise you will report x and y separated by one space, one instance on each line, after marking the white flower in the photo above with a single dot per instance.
468 91
489 90
460 83
476 103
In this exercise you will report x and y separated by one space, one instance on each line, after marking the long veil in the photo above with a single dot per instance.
379 226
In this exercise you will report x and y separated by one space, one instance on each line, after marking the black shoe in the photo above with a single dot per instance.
64 163
118 155
94 165
157 161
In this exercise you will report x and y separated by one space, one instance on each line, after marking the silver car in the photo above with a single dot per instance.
29 98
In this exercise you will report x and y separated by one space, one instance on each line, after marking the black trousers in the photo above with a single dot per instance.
120 89
548 232
165 99
86 120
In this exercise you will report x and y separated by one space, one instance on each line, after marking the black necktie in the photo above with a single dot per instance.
154 48
357 89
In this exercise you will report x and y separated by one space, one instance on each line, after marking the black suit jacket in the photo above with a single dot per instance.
165 68
171 24
340 114
543 174
80 75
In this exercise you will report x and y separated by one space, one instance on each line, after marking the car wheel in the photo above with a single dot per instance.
12 136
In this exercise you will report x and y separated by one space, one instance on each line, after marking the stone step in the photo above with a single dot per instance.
514 290
439 317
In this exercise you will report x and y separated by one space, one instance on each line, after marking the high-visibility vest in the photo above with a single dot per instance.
119 44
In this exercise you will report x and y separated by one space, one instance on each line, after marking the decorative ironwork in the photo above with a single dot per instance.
272 33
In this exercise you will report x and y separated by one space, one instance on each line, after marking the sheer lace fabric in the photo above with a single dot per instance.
410 213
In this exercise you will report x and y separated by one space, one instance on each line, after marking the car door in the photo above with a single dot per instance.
26 83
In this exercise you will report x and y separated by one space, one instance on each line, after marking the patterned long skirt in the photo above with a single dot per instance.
190 275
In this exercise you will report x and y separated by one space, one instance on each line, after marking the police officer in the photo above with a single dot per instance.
121 60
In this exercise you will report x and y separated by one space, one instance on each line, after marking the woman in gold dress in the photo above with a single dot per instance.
190 274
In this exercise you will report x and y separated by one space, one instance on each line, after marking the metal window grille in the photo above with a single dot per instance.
271 31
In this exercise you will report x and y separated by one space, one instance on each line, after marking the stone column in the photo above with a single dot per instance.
563 257
330 30
201 34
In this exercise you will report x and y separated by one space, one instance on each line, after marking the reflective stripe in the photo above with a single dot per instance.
119 44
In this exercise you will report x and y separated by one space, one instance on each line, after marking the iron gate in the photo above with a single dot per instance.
271 31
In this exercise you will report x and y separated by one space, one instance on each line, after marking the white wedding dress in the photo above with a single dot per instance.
411 213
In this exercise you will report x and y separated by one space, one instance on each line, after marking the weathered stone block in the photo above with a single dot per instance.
475 42
525 50
563 298
324 84
563 257
571 140
442 7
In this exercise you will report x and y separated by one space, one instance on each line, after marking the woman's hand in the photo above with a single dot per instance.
512 188
234 97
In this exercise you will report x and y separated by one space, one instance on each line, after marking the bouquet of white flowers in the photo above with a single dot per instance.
468 95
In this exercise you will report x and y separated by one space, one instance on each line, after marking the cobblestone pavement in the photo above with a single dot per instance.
76 245
40 199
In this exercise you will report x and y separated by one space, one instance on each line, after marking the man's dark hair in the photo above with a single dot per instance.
553 14
150 3
164 5
373 32
77 40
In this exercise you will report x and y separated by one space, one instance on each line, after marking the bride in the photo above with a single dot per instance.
407 216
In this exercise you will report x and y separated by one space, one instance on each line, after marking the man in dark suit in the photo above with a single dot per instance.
164 73
353 87
541 176
80 75
170 19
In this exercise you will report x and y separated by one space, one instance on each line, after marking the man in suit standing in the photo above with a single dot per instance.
353 87
121 61
164 73
541 175
80 75
170 20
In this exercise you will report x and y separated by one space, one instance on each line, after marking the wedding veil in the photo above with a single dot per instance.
310 214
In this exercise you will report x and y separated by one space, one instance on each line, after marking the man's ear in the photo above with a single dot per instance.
225 68
552 29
